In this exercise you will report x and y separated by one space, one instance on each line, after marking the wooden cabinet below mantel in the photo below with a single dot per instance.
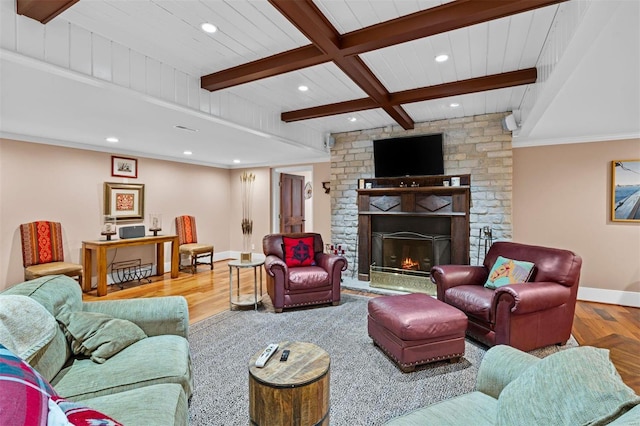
422 202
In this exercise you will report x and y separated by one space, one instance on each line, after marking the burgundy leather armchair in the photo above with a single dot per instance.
525 316
302 285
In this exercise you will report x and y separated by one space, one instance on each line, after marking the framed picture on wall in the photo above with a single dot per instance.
124 201
625 190
124 167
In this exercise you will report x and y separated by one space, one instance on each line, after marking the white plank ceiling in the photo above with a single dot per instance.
166 36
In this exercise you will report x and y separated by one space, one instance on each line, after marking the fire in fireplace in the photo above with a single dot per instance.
410 264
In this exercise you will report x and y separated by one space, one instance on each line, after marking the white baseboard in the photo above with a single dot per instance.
614 297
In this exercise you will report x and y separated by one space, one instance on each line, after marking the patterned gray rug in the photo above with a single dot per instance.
366 387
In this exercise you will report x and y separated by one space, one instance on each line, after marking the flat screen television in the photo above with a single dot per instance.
408 156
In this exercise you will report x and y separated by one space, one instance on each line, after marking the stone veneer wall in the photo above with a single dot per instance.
472 145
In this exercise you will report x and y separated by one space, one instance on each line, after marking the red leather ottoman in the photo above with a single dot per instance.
415 329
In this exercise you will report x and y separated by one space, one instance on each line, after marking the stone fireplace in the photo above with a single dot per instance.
476 145
404 230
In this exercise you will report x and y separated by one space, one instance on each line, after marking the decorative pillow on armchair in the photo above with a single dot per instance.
298 251
507 271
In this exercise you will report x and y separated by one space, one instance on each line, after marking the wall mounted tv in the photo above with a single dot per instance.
408 156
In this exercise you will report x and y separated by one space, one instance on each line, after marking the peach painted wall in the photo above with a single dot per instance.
43 182
321 201
561 198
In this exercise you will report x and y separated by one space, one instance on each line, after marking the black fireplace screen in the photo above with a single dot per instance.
410 251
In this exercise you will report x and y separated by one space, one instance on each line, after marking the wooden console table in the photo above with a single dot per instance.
101 247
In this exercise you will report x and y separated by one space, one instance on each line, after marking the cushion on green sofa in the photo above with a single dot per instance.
96 335
156 359
25 325
156 405
31 332
577 386
474 408
53 292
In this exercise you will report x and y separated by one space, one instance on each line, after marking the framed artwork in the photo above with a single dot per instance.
124 167
625 190
124 201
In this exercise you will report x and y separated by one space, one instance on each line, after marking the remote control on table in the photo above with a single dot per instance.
285 355
264 357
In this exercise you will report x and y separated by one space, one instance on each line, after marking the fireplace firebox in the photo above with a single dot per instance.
410 251
403 260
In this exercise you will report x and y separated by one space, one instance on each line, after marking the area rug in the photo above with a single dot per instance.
366 388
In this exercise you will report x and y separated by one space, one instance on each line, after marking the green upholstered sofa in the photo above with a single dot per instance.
576 386
148 382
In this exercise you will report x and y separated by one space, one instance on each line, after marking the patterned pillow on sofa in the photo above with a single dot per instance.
27 399
24 393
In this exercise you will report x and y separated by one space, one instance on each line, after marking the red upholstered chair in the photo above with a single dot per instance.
307 276
42 252
188 240
525 315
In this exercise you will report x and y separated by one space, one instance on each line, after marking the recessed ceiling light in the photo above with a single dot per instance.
187 153
303 88
236 161
352 119
208 28
442 58
112 139
454 105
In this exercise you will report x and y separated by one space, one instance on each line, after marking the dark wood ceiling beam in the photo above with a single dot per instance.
281 63
436 20
463 87
306 16
43 10
358 71
308 19
428 22
329 109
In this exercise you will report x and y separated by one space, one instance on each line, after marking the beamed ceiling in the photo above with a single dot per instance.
328 45
371 60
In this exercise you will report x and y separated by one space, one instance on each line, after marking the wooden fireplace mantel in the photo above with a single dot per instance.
424 197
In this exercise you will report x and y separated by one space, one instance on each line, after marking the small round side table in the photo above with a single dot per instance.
293 392
245 299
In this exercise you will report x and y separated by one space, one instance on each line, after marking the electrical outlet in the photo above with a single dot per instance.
253 246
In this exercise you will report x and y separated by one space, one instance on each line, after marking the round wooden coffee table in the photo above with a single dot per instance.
293 392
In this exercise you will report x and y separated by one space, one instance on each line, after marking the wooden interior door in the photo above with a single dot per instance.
291 203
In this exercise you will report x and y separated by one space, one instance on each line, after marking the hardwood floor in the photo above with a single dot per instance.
613 327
